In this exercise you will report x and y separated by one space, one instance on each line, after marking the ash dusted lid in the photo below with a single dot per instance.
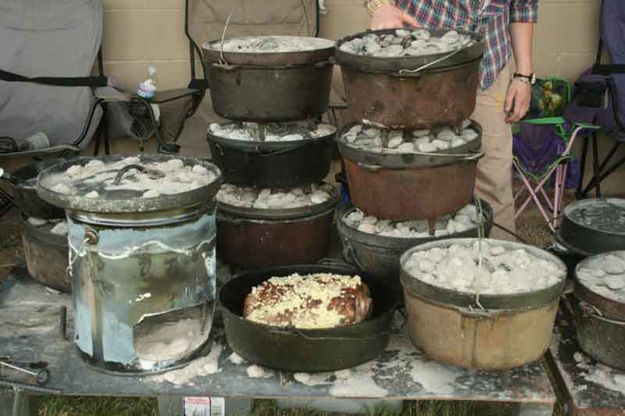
269 50
600 281
127 184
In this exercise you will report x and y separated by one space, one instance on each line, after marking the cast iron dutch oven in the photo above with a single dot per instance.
309 350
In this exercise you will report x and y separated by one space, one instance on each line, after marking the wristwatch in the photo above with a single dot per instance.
528 79
373 5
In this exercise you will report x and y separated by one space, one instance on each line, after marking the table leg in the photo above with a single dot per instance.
535 409
169 405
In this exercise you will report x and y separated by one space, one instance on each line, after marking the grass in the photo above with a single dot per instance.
114 406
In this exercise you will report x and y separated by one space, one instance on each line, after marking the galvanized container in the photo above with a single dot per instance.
142 270
450 326
411 186
600 320
258 238
412 92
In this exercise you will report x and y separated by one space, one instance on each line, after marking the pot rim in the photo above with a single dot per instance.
278 215
321 53
412 160
487 301
255 147
281 271
580 204
609 307
396 64
139 206
389 242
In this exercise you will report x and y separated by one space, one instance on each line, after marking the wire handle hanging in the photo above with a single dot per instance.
480 237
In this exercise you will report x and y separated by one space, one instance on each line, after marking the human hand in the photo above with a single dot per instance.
389 16
517 100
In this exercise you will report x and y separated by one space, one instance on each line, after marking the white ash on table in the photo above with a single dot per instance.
374 139
273 132
95 178
503 270
55 226
405 42
464 219
270 44
604 275
275 198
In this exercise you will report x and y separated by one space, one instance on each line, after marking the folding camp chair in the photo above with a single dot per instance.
549 97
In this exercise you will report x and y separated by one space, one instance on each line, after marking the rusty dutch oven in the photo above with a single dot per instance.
412 92
253 238
411 186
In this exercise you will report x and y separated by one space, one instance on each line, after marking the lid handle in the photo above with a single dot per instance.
152 173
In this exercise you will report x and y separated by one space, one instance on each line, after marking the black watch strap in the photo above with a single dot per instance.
531 77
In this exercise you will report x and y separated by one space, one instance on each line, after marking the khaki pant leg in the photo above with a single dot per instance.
494 175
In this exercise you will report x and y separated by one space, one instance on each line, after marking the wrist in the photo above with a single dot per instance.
373 5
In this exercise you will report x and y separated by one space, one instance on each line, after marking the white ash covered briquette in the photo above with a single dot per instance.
95 178
604 275
270 44
275 198
405 42
374 139
55 226
503 270
464 219
274 132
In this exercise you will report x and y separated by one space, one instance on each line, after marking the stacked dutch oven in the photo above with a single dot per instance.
411 160
273 154
44 228
411 165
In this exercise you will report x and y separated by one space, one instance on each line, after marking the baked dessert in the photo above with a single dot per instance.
311 301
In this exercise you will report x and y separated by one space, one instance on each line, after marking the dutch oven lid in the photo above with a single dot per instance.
269 50
402 63
277 136
600 281
414 159
463 299
129 184
255 213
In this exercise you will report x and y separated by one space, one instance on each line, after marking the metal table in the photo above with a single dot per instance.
29 318
585 386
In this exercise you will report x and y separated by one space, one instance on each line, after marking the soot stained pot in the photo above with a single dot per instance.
593 226
257 238
411 186
600 320
309 350
272 164
142 267
450 327
46 255
379 255
23 184
381 92
270 86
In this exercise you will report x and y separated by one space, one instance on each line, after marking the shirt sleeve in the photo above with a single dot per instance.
525 11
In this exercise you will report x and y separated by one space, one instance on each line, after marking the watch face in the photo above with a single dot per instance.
533 79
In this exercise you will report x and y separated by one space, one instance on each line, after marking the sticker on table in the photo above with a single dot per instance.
204 406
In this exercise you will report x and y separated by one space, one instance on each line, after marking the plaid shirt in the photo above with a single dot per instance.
490 18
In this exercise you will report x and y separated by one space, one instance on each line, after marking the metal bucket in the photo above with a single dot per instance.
450 327
46 255
253 238
272 164
142 272
383 91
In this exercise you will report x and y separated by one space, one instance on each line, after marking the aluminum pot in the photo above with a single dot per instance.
270 86
593 226
253 238
272 164
449 326
379 255
46 255
23 190
309 350
412 92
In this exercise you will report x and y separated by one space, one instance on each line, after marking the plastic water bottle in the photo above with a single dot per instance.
147 88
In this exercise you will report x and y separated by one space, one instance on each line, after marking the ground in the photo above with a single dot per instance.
530 226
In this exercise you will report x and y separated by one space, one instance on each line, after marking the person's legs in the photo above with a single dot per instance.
494 173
